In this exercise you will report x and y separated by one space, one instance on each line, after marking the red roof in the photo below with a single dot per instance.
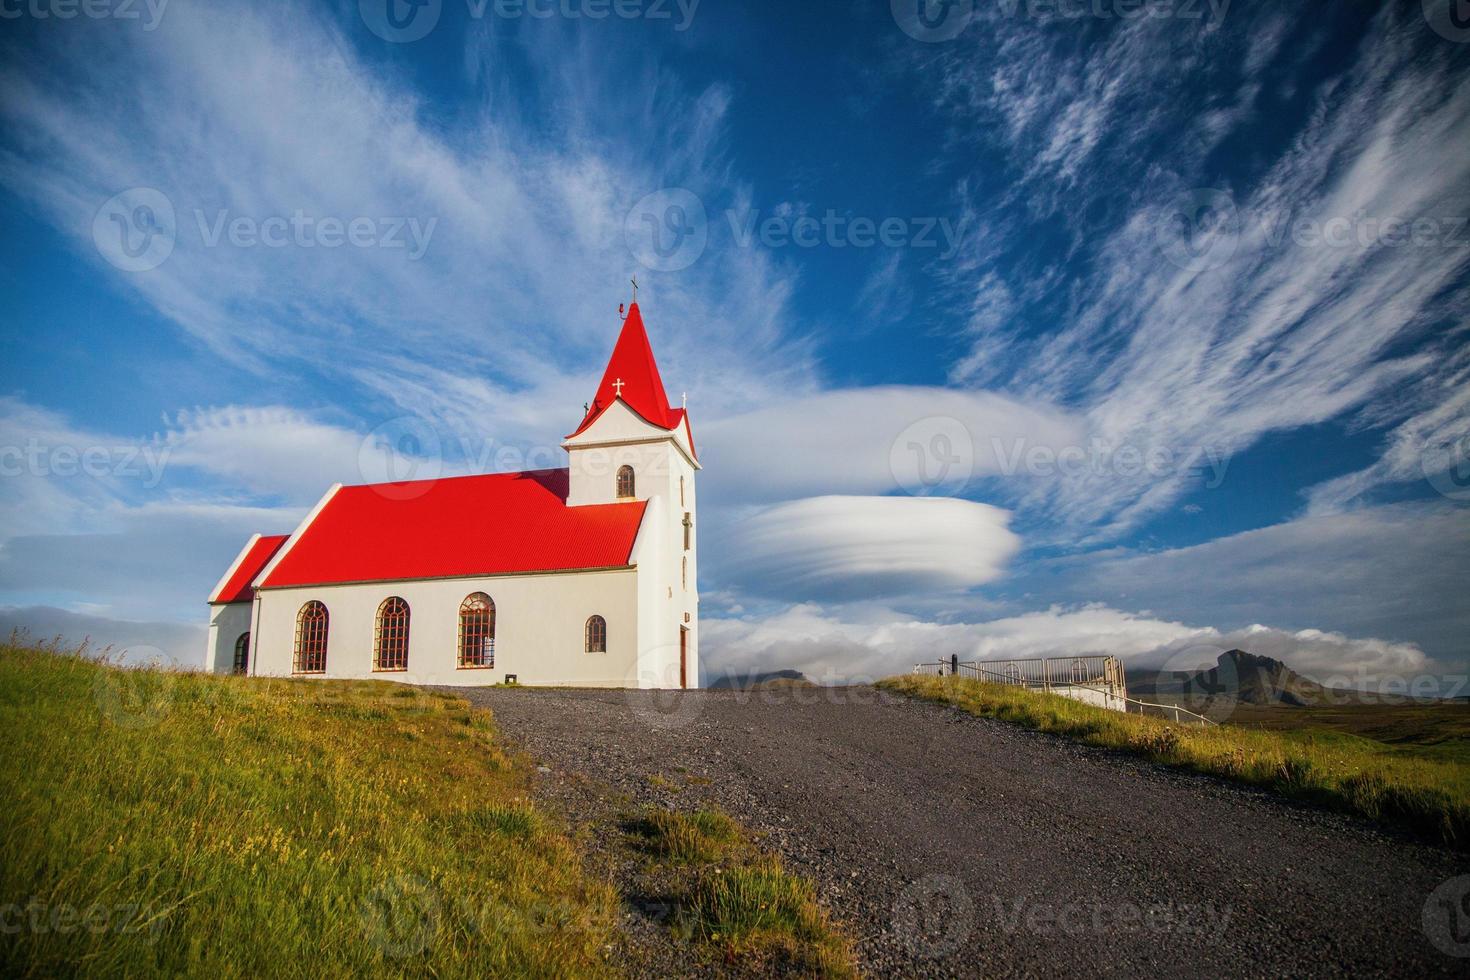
257 554
641 388
500 524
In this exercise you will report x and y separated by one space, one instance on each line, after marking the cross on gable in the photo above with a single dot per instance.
618 387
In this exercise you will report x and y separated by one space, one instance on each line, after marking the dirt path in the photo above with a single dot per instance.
954 845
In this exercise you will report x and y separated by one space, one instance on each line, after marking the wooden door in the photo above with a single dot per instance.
684 657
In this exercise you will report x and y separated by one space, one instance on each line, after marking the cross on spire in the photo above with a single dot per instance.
634 280
618 387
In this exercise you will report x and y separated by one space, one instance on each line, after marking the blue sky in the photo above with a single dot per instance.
1009 329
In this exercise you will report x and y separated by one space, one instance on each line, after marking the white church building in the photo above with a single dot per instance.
584 576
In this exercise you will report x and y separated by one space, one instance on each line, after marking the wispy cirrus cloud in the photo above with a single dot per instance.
273 118
1182 334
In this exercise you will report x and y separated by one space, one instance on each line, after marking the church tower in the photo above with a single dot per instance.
633 446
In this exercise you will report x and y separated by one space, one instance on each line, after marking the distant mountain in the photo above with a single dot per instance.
752 680
1237 676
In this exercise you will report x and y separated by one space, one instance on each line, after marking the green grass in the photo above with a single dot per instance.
740 903
213 826
1426 795
686 838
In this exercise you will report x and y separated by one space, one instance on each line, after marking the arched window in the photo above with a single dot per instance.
597 635
681 491
242 653
311 639
477 632
625 481
684 572
390 648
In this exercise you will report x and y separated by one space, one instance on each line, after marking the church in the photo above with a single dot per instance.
583 576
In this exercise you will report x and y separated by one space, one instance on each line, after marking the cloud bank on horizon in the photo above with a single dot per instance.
1134 335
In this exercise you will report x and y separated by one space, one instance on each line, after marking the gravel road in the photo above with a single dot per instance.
950 845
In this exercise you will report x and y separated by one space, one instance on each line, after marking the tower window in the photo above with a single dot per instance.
681 491
597 635
477 632
390 651
312 623
684 571
688 529
242 653
625 482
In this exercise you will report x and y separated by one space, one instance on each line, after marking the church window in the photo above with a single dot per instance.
688 529
311 639
477 632
242 653
390 648
625 482
684 572
597 635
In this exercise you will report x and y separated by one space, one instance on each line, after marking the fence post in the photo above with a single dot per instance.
954 665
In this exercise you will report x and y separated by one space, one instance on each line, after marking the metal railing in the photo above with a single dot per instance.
1100 674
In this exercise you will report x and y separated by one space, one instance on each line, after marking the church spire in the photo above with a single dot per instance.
632 377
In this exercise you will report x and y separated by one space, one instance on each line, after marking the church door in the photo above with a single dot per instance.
683 657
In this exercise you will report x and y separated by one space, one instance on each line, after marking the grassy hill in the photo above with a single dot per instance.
191 825
177 823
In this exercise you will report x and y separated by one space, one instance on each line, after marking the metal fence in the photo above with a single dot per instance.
1044 674
1101 674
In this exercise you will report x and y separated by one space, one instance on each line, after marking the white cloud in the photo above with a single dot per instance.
1390 571
873 440
831 647
864 546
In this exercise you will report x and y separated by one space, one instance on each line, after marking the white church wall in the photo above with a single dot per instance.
226 622
539 629
665 477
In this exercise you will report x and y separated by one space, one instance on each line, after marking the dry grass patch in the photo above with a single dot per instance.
740 904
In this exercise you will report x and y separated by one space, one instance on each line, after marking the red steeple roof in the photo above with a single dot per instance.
632 375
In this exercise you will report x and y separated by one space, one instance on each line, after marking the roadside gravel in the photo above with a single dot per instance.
950 845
